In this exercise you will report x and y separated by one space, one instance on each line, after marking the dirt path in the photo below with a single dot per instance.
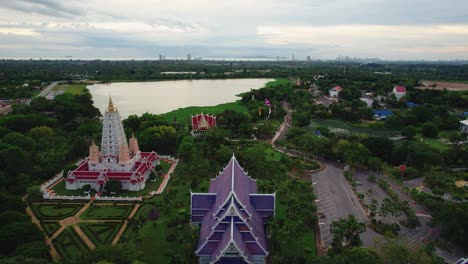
84 237
124 226
73 221
53 252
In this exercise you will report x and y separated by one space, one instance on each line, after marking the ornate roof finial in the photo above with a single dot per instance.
111 107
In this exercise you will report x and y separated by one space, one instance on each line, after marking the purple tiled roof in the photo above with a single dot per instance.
233 216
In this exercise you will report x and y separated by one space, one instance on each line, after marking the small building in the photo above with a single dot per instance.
116 160
382 114
399 92
5 109
369 101
201 123
232 217
464 126
334 92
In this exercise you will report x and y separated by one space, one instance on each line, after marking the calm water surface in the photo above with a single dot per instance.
164 96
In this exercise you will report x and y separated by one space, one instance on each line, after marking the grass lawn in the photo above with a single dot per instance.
156 245
50 227
340 124
183 114
55 211
109 212
75 89
69 244
154 237
165 165
276 82
101 234
60 189
434 143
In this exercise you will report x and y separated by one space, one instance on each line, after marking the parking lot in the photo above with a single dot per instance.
335 199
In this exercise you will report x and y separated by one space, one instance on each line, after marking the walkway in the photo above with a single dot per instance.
53 252
73 221
124 226
284 127
46 90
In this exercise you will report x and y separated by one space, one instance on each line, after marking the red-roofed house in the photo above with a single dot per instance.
334 92
399 91
5 109
116 160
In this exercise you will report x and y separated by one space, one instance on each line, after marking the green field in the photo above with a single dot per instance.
101 234
333 124
276 82
60 189
161 234
69 244
434 143
55 211
75 89
165 165
50 227
183 114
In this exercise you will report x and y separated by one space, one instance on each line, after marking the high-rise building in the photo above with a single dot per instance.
189 57
308 58
161 57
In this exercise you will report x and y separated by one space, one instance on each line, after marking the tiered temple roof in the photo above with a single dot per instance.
203 121
232 217
117 159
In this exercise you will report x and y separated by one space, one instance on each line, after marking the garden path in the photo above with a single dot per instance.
84 237
53 253
73 221
124 226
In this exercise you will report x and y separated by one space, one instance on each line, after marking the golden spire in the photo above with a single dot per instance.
111 107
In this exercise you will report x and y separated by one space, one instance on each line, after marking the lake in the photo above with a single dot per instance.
160 97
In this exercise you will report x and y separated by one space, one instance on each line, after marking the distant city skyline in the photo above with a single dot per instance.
388 30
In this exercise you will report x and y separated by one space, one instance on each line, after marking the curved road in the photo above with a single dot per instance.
335 199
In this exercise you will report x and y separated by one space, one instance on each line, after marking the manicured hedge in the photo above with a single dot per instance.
50 227
101 234
107 212
55 211
68 244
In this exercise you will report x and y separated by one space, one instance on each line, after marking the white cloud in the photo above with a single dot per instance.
375 39
18 31
325 29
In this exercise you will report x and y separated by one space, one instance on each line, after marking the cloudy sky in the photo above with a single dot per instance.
388 29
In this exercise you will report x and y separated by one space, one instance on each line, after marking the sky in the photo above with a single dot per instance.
386 29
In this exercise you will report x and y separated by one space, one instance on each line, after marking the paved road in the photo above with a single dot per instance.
335 199
377 193
49 88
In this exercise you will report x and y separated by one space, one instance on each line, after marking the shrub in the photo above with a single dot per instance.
429 130
154 214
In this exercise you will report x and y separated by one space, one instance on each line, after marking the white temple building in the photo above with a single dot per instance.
117 159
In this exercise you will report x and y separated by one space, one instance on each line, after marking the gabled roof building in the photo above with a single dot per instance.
202 122
399 91
334 92
232 217
116 160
